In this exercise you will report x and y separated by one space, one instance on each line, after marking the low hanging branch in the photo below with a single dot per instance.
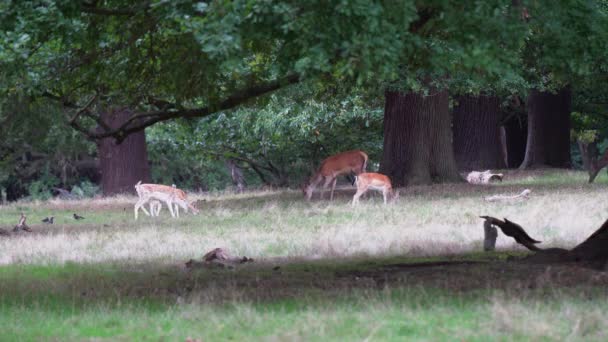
140 120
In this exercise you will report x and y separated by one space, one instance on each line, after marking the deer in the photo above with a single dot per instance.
348 162
164 193
374 181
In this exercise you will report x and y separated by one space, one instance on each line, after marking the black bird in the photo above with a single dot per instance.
48 220
78 217
515 231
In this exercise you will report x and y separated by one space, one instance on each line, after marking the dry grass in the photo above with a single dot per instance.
425 221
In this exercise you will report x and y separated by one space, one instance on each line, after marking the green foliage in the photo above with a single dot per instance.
37 139
278 141
41 188
567 40
175 158
85 189
167 56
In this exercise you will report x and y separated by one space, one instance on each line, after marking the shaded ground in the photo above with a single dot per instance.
279 279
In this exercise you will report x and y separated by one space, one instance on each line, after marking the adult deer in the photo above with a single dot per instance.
164 193
347 162
374 181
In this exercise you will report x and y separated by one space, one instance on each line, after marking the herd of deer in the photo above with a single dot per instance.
345 163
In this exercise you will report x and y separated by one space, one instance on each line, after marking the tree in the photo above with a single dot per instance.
177 59
555 58
422 152
122 164
548 141
476 128
461 47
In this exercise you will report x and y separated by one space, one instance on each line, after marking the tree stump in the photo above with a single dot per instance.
490 235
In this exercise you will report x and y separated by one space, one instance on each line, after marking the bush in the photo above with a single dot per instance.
85 189
41 189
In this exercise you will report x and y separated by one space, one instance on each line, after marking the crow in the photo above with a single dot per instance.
78 217
48 220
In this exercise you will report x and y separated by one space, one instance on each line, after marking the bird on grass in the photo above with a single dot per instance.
515 231
48 220
22 225
78 217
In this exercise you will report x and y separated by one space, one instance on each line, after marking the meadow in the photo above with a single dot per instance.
323 270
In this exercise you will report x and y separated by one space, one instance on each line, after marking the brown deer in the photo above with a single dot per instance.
354 161
374 181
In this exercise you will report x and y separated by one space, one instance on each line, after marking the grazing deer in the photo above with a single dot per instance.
169 195
340 164
374 181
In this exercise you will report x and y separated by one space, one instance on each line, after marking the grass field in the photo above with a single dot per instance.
322 271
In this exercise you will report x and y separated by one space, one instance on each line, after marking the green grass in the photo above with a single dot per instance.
134 302
323 271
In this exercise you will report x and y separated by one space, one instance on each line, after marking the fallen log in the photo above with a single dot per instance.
522 196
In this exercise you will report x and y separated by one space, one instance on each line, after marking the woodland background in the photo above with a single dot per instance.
270 88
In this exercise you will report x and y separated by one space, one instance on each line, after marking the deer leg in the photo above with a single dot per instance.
152 210
176 210
333 187
139 205
170 205
358 194
325 185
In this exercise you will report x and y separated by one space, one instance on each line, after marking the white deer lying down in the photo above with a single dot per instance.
374 181
485 177
163 193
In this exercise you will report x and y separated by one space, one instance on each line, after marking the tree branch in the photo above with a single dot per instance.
141 120
83 109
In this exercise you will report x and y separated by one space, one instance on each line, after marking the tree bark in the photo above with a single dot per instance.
476 128
122 165
236 173
516 137
593 250
591 160
418 139
548 129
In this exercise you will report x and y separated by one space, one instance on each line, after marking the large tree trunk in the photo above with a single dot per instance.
548 129
593 250
516 137
476 128
418 139
122 165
